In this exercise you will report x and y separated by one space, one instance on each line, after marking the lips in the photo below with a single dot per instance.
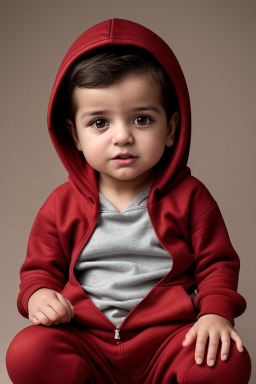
124 158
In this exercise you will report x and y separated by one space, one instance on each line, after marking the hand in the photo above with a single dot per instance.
48 307
214 328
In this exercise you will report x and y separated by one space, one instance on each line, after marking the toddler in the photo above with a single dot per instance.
130 276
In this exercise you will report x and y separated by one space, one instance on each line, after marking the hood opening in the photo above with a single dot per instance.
105 35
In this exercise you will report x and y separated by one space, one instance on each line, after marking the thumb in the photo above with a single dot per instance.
71 306
190 337
65 302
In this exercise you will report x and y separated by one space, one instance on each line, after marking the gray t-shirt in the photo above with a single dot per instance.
123 259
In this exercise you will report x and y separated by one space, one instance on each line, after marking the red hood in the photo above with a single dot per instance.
117 31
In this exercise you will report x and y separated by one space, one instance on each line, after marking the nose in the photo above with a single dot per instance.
122 134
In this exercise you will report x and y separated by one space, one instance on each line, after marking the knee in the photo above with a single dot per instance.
239 366
236 370
46 355
22 355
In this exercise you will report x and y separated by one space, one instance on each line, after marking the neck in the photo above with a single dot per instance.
121 192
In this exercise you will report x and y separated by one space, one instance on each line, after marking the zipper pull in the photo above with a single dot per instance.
117 334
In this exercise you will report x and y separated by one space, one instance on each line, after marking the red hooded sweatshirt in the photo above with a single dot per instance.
184 215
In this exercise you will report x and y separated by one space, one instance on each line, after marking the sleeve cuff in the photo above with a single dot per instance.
221 304
22 301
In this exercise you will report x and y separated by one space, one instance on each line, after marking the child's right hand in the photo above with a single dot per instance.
48 307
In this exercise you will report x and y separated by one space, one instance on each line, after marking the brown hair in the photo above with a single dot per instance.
108 65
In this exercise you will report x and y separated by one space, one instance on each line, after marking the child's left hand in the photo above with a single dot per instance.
215 328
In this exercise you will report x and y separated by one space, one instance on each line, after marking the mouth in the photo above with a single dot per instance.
124 158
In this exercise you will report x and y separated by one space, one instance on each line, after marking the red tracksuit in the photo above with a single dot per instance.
147 347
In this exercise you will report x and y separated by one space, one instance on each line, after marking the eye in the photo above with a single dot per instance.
143 120
100 123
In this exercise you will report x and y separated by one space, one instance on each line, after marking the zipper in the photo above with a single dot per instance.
117 331
117 336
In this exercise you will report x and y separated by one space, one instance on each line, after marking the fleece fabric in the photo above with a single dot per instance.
185 217
64 354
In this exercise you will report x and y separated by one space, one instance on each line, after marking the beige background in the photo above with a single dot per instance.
215 44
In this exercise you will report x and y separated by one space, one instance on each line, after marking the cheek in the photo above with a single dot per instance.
154 146
93 151
92 154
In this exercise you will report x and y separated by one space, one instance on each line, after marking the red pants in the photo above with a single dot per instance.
155 355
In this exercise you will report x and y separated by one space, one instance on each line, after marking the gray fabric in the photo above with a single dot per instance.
123 259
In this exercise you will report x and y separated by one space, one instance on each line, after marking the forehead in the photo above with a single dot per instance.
132 91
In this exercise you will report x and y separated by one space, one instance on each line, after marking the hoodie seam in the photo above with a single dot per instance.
108 40
110 30
82 199
214 205
46 216
220 292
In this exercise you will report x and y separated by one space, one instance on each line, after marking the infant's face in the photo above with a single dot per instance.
122 129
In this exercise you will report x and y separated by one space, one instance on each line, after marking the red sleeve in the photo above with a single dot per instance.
216 266
45 265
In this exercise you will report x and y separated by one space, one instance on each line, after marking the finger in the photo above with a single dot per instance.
200 347
68 306
239 342
212 349
225 347
190 337
64 309
52 315
34 320
43 319
71 306
60 308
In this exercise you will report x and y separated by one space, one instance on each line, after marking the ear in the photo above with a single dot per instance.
73 132
171 129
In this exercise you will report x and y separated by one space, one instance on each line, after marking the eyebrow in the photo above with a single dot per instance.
97 113
93 113
148 108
